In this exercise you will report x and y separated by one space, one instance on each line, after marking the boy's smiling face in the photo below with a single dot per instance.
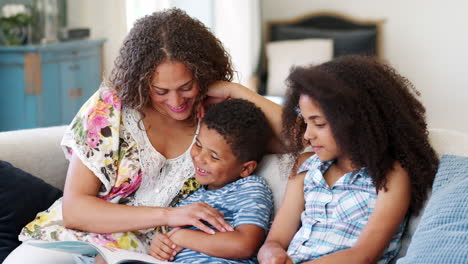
215 164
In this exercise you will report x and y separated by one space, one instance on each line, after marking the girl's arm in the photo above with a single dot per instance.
287 220
390 210
224 90
83 210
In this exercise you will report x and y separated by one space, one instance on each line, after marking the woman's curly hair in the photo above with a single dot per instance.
168 35
374 116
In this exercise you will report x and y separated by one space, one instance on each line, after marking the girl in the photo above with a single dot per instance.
372 165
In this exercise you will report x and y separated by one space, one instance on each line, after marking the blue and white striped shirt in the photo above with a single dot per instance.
247 201
334 217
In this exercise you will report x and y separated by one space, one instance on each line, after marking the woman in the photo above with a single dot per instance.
129 144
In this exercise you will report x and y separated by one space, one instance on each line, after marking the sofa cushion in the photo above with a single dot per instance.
22 196
275 169
442 233
38 151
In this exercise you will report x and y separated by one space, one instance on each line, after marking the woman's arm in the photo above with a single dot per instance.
390 210
83 210
287 220
224 90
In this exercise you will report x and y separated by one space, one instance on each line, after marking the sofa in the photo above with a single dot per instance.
37 151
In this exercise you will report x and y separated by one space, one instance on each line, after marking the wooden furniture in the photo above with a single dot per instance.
45 85
349 35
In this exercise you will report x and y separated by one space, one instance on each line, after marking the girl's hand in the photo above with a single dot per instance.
163 248
272 253
194 214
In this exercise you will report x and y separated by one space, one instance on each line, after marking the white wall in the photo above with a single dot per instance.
235 22
238 26
426 40
106 19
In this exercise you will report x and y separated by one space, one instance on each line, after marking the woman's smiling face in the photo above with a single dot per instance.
174 90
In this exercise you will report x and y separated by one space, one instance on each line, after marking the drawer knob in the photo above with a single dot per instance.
75 92
74 67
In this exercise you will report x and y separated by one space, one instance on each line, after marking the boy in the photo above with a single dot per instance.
232 140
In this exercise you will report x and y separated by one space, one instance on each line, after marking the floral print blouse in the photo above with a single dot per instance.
108 139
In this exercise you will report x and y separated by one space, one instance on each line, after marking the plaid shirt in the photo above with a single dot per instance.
334 217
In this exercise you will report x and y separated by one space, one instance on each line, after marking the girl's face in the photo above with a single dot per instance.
173 90
318 133
215 164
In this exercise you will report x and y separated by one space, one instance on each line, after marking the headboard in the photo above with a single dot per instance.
349 36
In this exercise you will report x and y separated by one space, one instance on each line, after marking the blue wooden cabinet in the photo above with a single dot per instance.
45 85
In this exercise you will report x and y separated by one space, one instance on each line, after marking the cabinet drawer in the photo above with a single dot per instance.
69 55
9 59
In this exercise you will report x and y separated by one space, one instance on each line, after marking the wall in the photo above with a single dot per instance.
106 19
238 26
235 22
426 40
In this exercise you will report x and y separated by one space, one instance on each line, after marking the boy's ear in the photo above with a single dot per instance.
248 168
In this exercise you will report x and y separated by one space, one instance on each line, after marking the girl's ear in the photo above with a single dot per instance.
248 168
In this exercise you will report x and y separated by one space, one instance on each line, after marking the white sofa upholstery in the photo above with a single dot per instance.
38 152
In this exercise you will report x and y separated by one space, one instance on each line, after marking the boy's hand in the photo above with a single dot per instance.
99 260
163 248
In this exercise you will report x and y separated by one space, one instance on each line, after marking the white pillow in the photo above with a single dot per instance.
282 55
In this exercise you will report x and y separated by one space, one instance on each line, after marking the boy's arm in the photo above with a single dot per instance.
390 210
242 243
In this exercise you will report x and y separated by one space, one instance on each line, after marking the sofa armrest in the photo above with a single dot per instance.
36 151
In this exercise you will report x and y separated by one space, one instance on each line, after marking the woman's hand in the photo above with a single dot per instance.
163 248
194 214
217 92
273 253
220 91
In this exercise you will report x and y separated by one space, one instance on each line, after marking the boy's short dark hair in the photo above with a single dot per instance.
243 125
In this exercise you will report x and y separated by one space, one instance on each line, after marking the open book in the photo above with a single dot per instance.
110 254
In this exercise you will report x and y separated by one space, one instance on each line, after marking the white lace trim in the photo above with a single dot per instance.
161 178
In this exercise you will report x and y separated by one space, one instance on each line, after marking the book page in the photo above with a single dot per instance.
110 254
116 255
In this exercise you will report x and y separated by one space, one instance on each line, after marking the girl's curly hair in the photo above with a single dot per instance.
168 35
374 116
